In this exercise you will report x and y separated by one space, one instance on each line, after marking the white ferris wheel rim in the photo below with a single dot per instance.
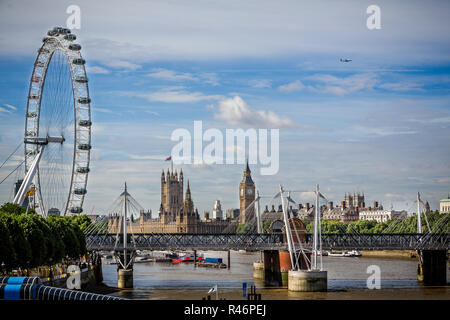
61 39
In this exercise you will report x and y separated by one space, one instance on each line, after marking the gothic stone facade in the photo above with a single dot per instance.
176 214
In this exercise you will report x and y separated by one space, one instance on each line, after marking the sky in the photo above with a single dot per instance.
379 124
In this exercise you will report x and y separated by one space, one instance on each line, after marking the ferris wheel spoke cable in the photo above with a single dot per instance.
12 172
15 150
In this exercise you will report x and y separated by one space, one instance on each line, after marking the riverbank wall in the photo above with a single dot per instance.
401 254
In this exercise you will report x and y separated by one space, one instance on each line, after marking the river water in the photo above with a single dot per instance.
347 279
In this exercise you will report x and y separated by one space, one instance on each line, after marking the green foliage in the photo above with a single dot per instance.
15 209
28 240
409 225
266 226
82 221
7 253
245 228
21 246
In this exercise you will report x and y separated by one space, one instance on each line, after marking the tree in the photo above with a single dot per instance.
35 236
56 227
245 228
83 221
7 253
22 248
266 226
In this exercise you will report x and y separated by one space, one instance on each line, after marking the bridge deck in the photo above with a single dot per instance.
338 241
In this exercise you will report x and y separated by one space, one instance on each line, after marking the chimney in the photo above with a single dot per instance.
307 206
375 204
300 206
343 204
330 205
363 204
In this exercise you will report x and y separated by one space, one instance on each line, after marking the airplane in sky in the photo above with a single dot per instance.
346 60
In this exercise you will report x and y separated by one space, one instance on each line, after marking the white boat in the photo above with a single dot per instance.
355 253
351 253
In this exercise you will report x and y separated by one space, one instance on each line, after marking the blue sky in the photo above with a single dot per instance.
379 124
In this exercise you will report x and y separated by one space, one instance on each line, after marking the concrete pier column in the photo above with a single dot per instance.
307 281
195 258
432 269
285 266
258 270
125 278
272 273
229 259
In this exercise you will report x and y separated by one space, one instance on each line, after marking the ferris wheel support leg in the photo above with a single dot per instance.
19 198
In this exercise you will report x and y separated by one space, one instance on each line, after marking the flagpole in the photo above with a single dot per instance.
171 164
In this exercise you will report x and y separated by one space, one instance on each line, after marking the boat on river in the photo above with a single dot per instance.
351 253
187 258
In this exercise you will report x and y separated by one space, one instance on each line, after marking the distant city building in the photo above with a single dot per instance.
355 200
381 215
54 211
17 186
217 211
232 214
344 213
444 205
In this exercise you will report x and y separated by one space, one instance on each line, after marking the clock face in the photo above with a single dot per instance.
249 191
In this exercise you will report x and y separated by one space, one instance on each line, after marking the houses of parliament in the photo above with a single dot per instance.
177 213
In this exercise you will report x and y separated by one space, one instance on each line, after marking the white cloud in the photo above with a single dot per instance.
209 78
402 86
175 95
103 110
382 131
237 112
293 86
121 64
343 85
96 70
260 83
174 30
10 107
170 75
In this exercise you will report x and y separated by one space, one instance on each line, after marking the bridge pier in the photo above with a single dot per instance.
125 275
125 278
272 272
285 266
432 269
307 280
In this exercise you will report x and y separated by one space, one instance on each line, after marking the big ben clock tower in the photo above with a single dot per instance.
246 196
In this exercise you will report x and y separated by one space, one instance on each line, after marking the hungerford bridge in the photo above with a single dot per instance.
303 250
264 241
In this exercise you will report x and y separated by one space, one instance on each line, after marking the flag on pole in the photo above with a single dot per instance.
30 192
168 158
213 289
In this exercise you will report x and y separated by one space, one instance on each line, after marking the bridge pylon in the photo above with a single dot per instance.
314 278
125 247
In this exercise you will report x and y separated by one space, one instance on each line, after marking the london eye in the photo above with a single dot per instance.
57 136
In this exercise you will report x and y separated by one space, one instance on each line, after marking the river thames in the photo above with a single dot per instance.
347 278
